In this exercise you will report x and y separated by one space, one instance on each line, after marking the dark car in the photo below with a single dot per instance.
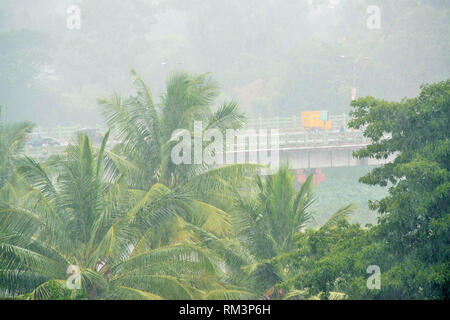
94 134
35 140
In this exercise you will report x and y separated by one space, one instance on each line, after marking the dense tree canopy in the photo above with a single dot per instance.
410 243
140 227
415 220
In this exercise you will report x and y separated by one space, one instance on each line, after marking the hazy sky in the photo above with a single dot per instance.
274 57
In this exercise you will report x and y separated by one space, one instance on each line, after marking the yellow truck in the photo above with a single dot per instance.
316 120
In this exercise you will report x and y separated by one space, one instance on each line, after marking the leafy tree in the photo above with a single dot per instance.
331 262
415 216
410 243
127 243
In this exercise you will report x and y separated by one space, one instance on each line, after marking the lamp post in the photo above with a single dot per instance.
354 62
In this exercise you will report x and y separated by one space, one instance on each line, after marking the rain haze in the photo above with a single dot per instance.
225 150
273 57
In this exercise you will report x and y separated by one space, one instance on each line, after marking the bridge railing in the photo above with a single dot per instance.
63 133
293 122
319 139
285 123
290 135
40 153
293 139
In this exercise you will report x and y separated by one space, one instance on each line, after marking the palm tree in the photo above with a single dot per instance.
272 217
127 243
266 222
12 141
146 128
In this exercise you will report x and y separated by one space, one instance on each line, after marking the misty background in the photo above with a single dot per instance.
276 58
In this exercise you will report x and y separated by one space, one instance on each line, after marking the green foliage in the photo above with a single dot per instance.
136 225
410 244
270 219
146 128
12 141
140 227
54 290
416 131
414 220
69 214
333 258
267 222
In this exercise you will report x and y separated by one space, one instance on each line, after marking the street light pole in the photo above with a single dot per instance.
354 62
354 74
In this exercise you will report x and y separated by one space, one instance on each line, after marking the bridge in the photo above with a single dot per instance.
298 148
311 151
303 149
